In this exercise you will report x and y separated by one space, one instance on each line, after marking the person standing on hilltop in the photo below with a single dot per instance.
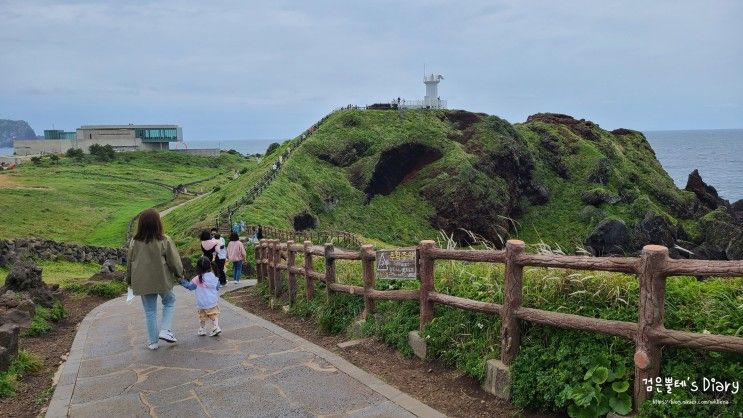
153 268
236 253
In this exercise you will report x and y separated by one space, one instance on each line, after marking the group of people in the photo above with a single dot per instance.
154 267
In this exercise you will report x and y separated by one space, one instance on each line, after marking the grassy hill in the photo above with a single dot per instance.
400 177
91 201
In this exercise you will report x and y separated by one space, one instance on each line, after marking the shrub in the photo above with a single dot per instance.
40 322
102 152
75 153
216 189
54 157
243 170
36 160
273 147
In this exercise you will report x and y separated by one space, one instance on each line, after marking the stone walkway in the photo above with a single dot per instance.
253 369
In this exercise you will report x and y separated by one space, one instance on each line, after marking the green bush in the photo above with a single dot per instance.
36 160
75 153
273 147
40 322
102 152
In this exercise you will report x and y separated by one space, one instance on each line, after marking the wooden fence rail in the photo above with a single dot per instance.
651 268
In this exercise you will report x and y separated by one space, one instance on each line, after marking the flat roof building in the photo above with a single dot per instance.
121 137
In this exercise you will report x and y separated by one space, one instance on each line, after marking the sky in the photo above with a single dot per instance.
227 70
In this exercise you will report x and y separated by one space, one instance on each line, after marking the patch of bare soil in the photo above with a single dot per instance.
34 391
442 388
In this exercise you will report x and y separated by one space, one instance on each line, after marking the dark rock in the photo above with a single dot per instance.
655 229
108 266
611 236
598 196
8 344
539 194
17 316
706 194
736 211
600 173
718 229
734 251
24 276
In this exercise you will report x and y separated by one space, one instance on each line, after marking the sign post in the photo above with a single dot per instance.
397 264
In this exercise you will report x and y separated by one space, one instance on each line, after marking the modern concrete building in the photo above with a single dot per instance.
120 137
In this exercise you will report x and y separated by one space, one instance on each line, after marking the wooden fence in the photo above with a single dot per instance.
652 268
340 239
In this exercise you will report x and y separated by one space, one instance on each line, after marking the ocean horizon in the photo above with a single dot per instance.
716 153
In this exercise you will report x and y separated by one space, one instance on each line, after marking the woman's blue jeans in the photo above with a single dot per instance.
237 269
150 314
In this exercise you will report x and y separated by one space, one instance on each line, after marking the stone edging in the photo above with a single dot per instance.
62 397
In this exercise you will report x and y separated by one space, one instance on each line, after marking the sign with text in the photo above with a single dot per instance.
398 264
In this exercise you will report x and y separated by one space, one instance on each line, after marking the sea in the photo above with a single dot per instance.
716 153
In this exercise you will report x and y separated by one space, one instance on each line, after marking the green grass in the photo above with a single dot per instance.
40 323
58 272
107 289
78 202
24 363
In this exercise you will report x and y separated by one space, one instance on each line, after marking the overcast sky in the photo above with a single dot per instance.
249 70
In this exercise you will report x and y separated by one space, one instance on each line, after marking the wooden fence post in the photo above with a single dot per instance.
308 283
270 266
367 261
277 270
258 265
292 277
426 276
650 317
329 269
510 332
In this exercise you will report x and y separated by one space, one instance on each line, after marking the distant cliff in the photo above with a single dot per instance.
11 130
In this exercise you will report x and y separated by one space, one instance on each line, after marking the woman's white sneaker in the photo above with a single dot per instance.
153 346
167 335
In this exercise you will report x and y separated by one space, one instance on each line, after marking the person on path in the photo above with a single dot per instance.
221 257
259 233
153 267
236 253
206 286
208 244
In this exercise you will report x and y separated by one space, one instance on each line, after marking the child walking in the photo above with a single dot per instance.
206 285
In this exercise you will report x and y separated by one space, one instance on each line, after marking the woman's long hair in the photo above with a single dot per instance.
149 226
205 235
203 266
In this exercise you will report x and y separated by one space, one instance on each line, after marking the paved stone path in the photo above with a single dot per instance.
254 368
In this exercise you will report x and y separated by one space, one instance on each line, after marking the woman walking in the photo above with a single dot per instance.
236 254
153 268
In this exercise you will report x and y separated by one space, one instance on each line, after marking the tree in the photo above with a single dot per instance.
273 147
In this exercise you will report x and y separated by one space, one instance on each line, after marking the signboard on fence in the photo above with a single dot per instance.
398 264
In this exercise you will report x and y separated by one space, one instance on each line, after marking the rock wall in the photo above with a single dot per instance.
44 249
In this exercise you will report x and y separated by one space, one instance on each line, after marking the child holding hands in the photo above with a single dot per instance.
205 285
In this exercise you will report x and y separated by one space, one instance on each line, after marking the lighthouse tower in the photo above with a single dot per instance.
432 99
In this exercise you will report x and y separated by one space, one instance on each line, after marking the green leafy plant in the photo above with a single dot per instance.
25 362
40 322
603 390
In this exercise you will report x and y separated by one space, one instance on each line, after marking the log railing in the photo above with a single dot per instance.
651 268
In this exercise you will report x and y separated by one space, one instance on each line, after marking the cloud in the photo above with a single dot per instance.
245 66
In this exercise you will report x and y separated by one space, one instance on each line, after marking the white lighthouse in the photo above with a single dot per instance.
432 99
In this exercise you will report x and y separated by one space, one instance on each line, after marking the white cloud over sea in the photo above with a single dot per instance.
240 70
